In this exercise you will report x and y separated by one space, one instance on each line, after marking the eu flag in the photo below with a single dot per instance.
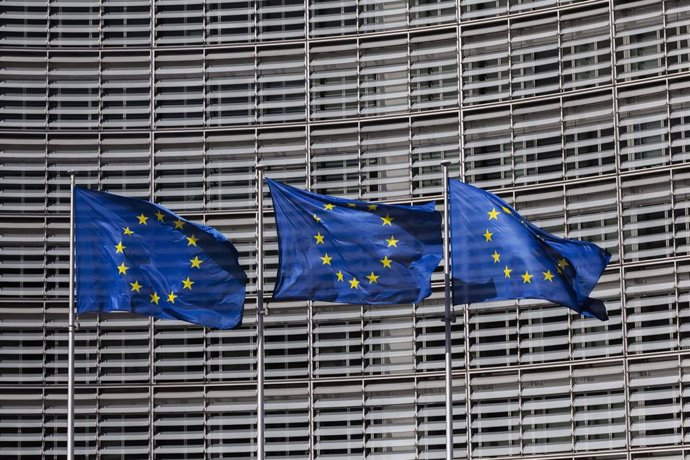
346 251
497 255
139 257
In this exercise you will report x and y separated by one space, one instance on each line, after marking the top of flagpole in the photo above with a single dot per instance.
260 167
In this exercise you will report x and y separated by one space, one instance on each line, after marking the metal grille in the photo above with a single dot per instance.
577 112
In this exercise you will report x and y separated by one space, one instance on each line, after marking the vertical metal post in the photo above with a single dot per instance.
70 331
260 435
447 316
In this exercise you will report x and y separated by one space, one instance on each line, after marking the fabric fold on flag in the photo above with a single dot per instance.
340 250
139 257
498 255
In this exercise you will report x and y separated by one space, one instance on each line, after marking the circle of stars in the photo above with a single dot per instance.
326 259
526 277
136 287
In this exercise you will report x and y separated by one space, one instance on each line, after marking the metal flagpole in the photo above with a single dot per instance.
260 312
448 316
70 329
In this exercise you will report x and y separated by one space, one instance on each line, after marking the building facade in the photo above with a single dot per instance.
575 111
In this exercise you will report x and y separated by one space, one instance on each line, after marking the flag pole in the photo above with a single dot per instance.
447 316
260 312
70 331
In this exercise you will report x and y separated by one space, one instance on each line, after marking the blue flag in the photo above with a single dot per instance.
139 257
340 250
498 255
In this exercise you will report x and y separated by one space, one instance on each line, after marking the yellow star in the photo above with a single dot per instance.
171 297
316 218
122 269
562 263
187 283
196 262
319 238
493 214
160 216
179 224
496 256
559 270
506 210
506 272
548 276
392 242
142 219
326 259
386 262
372 207
488 235
127 231
372 278
119 247
527 278
340 276
191 240
155 298
328 207
387 220
354 283
135 286
352 205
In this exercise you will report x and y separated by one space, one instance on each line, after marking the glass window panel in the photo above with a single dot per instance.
26 23
24 85
126 23
380 15
430 12
537 143
179 86
179 171
585 48
335 160
230 421
332 17
333 80
433 71
385 160
655 404
230 175
588 130
125 90
679 119
230 87
229 21
639 37
73 90
281 86
384 76
534 56
433 140
488 148
495 414
280 20
643 128
179 23
651 309
74 23
485 63
677 35
646 219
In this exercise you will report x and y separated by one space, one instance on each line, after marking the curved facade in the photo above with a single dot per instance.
578 112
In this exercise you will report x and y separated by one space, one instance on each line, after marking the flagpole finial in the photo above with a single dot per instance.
446 163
